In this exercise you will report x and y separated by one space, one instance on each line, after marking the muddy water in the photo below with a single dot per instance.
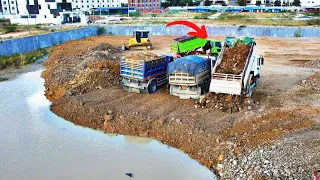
36 144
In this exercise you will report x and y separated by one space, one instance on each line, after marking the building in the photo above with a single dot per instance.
145 5
8 6
88 5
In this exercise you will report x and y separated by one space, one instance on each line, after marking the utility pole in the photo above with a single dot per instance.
28 22
187 10
128 7
100 7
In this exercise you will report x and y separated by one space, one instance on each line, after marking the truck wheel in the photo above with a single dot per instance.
152 86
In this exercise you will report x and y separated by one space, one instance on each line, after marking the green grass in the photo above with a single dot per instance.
18 60
3 79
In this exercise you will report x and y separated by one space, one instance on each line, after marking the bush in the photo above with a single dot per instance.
10 28
313 22
18 60
100 31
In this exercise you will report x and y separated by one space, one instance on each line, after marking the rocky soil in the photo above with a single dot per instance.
234 59
234 140
312 82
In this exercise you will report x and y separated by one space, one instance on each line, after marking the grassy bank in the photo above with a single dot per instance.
18 60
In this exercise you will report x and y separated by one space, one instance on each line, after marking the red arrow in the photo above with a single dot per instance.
201 33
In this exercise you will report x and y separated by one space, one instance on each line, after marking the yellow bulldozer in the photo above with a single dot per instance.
139 40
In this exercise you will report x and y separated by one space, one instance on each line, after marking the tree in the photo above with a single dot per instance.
207 3
124 4
296 3
242 2
224 3
258 3
277 3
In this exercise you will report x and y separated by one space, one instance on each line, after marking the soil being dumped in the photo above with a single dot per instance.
234 59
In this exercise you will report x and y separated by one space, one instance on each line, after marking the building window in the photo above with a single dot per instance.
76 6
93 6
98 1
108 5
76 1
87 1
81 1
48 6
87 6
82 6
45 16
5 8
12 2
98 6
13 8
4 2
102 5
312 1
39 6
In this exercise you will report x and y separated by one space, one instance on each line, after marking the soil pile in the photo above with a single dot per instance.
312 82
225 102
105 51
144 56
234 59
75 69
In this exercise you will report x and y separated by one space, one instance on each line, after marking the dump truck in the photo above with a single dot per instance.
191 45
237 69
189 77
139 40
144 72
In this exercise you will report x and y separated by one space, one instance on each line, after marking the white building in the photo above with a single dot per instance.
87 5
39 11
310 3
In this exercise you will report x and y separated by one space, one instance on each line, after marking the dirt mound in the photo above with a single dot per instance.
234 59
145 56
225 102
312 82
105 51
90 79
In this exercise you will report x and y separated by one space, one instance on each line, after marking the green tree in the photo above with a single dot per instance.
207 3
224 3
258 3
296 3
277 3
242 2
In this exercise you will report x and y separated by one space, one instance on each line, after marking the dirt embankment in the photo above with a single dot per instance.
83 85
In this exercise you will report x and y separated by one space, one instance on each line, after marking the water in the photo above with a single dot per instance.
36 144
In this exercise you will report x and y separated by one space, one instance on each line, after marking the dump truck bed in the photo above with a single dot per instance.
230 83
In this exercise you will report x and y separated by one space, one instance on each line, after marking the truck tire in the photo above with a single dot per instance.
152 87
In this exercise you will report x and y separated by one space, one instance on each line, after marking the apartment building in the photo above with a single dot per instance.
141 5
86 5
8 7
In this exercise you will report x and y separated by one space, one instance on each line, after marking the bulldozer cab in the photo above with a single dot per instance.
140 34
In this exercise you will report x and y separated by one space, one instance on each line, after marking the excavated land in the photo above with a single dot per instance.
273 136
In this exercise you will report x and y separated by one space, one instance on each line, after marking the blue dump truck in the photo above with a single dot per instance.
144 72
189 77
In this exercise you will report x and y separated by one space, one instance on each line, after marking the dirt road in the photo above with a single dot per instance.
84 88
